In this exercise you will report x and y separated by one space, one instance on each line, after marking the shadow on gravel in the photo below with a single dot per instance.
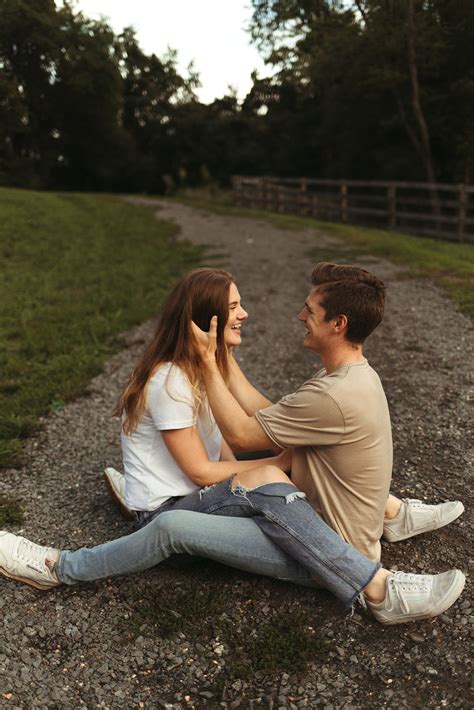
250 625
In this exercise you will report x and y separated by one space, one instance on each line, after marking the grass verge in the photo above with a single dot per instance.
449 265
75 271
11 511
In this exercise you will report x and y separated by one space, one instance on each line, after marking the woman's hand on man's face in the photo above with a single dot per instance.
206 342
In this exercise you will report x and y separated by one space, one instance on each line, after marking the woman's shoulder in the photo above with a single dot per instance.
171 375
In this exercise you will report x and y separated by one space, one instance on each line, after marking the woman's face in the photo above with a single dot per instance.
237 316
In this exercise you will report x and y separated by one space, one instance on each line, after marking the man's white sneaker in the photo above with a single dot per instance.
24 561
415 517
116 483
411 597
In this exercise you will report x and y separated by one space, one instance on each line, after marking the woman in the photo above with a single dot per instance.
164 407
175 460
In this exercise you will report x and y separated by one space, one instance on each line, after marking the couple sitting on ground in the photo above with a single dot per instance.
188 407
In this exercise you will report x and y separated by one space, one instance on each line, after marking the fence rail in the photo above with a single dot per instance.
437 210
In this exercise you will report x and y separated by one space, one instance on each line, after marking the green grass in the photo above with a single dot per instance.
75 271
450 265
11 512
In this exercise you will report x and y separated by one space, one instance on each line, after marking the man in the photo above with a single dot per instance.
338 421
267 494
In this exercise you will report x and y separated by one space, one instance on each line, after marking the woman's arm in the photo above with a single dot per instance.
249 398
187 449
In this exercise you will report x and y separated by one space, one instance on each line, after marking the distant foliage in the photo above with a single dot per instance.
82 108
356 89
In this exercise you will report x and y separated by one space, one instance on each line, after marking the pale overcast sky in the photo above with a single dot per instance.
210 32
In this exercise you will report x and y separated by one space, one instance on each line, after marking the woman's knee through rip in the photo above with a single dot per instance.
260 476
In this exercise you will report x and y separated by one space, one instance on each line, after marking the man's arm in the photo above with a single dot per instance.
226 452
187 449
241 431
249 398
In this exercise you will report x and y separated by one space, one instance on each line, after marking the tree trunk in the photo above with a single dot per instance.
424 137
415 95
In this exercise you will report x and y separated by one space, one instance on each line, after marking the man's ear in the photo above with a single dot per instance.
341 323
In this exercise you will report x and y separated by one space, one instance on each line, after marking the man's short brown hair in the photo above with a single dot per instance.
351 291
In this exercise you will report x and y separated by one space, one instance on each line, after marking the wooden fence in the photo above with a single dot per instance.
437 210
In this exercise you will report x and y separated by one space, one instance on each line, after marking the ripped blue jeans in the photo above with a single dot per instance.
272 530
282 513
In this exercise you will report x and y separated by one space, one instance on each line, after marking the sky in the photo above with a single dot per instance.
210 32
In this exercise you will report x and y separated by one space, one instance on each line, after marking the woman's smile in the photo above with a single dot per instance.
237 316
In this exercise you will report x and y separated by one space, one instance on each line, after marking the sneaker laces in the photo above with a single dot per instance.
33 554
401 582
360 600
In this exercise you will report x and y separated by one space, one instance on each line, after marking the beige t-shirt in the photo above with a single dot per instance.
340 427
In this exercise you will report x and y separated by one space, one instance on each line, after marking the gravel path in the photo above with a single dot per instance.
95 646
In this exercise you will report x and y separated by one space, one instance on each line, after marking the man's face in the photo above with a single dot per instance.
317 330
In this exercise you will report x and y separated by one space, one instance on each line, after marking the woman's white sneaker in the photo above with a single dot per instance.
116 484
416 517
26 562
411 597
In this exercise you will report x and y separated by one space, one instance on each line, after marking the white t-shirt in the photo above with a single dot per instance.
151 473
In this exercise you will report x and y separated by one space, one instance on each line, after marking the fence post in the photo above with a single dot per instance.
255 194
461 212
303 201
270 196
236 190
259 188
344 201
280 199
392 206
263 193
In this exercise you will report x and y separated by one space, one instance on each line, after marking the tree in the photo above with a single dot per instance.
153 93
82 108
384 75
88 102
29 49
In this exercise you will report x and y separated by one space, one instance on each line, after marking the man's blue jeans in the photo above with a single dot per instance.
286 539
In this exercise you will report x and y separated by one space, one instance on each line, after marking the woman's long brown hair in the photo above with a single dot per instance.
199 295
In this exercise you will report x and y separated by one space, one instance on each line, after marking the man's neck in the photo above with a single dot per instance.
348 355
